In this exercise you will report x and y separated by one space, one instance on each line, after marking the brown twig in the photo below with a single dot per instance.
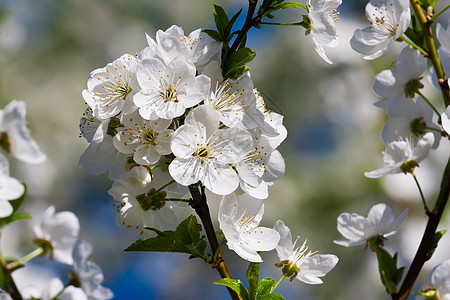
250 21
201 208
425 250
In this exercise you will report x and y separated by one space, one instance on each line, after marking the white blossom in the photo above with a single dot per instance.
168 90
310 266
388 19
411 120
379 222
239 219
60 230
148 140
10 188
233 99
89 274
398 86
323 15
204 152
111 88
197 47
403 155
103 156
54 289
440 279
144 206
15 136
445 119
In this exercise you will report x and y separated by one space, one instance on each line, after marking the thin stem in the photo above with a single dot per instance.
425 250
177 199
424 202
433 129
164 186
425 23
250 21
10 286
281 24
218 250
440 12
429 102
159 166
278 282
30 256
201 208
414 45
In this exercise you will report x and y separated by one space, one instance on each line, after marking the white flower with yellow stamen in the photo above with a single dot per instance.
299 263
204 152
239 219
110 89
144 206
168 90
403 156
148 140
388 19
324 15
233 99
197 47
262 165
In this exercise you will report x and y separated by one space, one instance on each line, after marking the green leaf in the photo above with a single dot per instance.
293 4
221 20
236 285
389 273
237 60
185 239
16 203
427 3
252 278
235 74
265 286
213 34
275 296
437 236
232 21
273 6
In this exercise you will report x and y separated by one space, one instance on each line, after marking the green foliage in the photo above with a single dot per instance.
437 236
427 3
389 273
185 239
236 285
415 33
16 205
258 290
234 64
252 278
224 25
271 6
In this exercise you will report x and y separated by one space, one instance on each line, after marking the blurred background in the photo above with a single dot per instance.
47 50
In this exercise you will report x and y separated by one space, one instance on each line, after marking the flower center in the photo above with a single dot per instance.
169 94
150 137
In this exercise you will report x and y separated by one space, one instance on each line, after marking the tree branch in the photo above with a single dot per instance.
201 208
425 250
249 23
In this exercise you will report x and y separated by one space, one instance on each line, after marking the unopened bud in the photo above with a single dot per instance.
139 177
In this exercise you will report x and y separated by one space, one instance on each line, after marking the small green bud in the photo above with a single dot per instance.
418 126
289 268
408 166
306 23
152 200
412 87
375 242
428 292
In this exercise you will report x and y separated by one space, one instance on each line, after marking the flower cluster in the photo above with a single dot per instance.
166 118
